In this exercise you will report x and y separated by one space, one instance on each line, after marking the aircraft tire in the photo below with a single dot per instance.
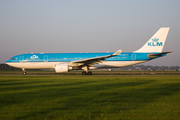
24 73
84 73
89 73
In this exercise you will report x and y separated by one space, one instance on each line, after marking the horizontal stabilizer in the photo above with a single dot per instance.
152 55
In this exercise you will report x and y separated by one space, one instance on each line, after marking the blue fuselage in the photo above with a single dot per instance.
69 57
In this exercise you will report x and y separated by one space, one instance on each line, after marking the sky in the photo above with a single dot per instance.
71 26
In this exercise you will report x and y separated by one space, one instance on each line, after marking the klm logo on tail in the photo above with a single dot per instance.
155 42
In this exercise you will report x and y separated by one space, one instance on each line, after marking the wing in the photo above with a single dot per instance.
94 60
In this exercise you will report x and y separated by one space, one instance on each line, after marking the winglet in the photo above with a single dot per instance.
117 52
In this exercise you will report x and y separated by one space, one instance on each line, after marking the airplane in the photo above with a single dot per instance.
64 62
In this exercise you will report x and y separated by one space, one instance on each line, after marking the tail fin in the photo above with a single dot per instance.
157 41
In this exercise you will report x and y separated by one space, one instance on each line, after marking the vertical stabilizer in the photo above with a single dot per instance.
157 41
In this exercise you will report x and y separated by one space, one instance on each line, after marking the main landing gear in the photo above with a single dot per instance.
86 73
24 71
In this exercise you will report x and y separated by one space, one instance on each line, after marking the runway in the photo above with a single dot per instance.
95 73
88 75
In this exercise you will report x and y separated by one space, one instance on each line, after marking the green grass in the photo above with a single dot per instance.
95 72
89 97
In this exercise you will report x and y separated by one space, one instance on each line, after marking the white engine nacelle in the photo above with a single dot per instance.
63 67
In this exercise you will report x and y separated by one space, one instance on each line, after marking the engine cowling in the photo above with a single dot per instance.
63 67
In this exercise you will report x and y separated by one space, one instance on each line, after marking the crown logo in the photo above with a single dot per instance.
34 57
155 40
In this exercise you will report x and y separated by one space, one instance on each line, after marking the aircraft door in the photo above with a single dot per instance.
46 58
21 58
133 56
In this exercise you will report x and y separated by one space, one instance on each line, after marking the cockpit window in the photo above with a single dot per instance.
12 58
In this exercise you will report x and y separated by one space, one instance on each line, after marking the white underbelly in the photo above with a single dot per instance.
115 64
34 65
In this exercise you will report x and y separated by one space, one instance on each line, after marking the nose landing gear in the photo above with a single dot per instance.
24 71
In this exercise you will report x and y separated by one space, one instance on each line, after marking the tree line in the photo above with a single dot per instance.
5 67
151 68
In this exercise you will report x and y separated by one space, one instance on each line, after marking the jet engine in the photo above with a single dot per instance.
62 67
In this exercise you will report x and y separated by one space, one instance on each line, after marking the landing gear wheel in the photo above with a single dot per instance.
89 73
24 73
84 73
